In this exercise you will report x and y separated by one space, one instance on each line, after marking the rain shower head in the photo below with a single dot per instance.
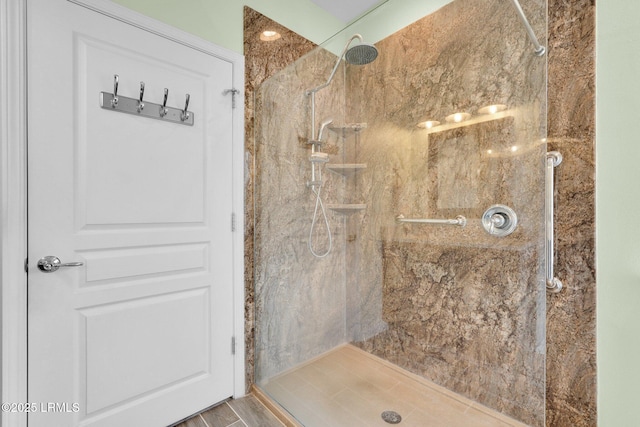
361 54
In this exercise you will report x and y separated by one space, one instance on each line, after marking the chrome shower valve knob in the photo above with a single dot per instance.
499 220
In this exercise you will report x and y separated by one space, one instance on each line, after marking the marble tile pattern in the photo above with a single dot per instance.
491 351
399 276
348 387
571 317
262 60
463 309
299 299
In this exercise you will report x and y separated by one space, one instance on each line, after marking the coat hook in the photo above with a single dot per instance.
114 101
163 107
185 114
140 103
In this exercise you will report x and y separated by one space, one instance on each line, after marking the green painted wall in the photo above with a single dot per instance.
617 153
382 21
618 211
221 21
391 16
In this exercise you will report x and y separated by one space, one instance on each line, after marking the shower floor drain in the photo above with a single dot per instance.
392 417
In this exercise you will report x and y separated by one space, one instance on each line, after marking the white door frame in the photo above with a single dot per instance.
13 190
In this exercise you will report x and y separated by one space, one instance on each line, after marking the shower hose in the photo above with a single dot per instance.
314 221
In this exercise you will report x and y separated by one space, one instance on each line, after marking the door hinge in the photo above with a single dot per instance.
233 345
26 265
233 221
233 93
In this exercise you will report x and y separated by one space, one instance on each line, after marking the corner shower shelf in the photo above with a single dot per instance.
347 209
346 169
348 129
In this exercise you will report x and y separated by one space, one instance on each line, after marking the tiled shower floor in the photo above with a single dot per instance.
349 387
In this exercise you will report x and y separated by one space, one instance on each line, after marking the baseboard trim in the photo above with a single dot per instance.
278 411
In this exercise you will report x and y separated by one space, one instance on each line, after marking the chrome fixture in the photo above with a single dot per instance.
459 220
363 54
499 220
540 50
163 108
50 263
360 54
140 103
554 285
139 107
184 115
318 158
391 417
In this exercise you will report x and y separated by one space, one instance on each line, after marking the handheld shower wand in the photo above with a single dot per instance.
322 126
360 54
318 157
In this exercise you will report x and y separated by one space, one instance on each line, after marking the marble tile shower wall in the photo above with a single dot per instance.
299 299
570 376
462 308
262 60
571 315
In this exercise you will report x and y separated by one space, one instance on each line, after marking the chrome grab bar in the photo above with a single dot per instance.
554 284
459 220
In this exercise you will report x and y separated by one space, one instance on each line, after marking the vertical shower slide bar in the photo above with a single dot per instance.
554 285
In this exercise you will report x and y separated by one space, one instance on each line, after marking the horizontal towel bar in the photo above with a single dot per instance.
459 220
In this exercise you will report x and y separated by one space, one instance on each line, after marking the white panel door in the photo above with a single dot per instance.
140 334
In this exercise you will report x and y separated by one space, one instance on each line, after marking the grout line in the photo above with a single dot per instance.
238 415
202 418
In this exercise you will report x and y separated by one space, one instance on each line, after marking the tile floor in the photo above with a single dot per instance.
349 387
244 412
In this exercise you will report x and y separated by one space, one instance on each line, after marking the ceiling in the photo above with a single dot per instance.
347 10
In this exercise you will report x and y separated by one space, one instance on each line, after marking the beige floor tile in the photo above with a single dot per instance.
349 388
368 408
329 382
310 406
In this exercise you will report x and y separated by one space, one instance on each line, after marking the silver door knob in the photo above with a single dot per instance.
50 263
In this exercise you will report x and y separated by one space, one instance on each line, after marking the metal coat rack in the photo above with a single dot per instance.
140 107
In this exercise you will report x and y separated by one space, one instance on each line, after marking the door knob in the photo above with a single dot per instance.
50 263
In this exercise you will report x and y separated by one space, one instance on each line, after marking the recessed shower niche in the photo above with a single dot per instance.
454 308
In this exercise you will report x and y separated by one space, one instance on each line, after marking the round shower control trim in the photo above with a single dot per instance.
499 220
